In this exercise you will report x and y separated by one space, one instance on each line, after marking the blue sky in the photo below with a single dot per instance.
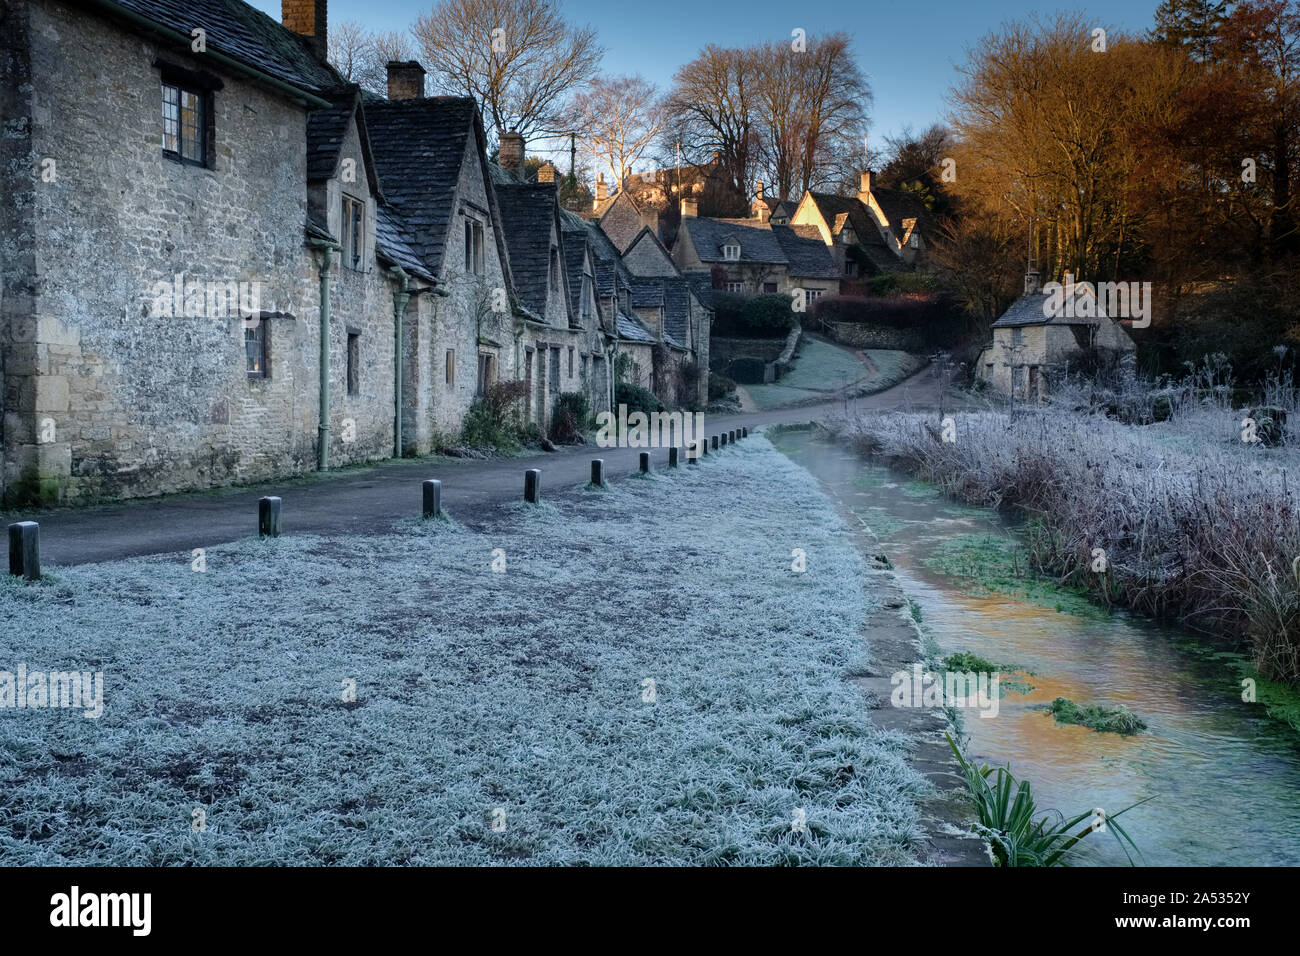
907 49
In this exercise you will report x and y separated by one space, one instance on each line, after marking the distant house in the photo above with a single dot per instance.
751 257
877 231
1033 341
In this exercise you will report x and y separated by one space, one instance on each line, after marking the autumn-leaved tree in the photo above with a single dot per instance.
520 59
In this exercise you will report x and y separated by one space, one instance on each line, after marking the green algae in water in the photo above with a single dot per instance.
1009 678
985 564
1110 720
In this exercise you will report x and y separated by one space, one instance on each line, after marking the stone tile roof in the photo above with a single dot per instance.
1030 309
607 261
630 327
756 244
527 214
809 256
419 146
677 311
575 250
900 206
245 34
391 243
647 293
841 210
702 285
326 130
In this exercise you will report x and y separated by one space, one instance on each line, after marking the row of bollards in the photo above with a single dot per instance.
25 536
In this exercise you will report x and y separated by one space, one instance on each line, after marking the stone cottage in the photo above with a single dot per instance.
223 264
191 294
875 231
750 257
1033 340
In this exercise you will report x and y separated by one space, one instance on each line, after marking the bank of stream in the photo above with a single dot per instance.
1222 773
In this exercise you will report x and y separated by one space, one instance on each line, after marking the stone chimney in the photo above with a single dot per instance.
405 80
601 189
864 190
759 207
308 18
510 157
650 219
546 172
1032 284
690 208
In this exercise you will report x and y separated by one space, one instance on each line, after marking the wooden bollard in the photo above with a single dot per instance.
715 442
25 550
533 486
744 433
693 453
704 446
598 472
731 437
268 517
433 498
645 463
672 457
722 439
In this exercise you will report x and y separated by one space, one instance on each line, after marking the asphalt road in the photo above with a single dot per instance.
364 500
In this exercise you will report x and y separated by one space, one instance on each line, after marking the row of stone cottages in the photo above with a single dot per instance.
222 264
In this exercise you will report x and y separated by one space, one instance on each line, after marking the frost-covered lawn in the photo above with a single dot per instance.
820 367
499 717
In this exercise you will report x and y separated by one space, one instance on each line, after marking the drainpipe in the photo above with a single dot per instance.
400 298
323 428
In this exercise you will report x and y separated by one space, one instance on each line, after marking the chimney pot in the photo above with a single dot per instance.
601 189
546 173
308 18
1032 284
405 80
511 154
690 208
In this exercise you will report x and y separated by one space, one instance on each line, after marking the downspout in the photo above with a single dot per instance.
400 298
323 426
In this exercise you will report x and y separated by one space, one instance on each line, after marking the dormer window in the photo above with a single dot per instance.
731 251
354 232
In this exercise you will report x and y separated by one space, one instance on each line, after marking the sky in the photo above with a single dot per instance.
908 49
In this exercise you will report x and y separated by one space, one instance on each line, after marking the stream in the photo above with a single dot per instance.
1225 777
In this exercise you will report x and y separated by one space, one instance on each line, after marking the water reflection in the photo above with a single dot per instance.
1225 775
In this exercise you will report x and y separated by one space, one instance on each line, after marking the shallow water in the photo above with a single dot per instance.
1225 776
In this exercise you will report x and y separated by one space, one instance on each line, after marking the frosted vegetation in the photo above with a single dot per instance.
1195 523
521 691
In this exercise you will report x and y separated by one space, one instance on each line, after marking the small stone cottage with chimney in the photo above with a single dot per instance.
1033 341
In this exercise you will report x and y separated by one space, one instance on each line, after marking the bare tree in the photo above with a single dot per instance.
519 59
361 56
618 118
712 106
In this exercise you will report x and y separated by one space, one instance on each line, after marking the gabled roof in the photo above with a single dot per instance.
1031 309
242 33
809 256
528 212
391 244
630 327
609 265
839 211
575 254
647 293
327 130
756 244
419 146
647 235
621 220
701 284
898 207
677 310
